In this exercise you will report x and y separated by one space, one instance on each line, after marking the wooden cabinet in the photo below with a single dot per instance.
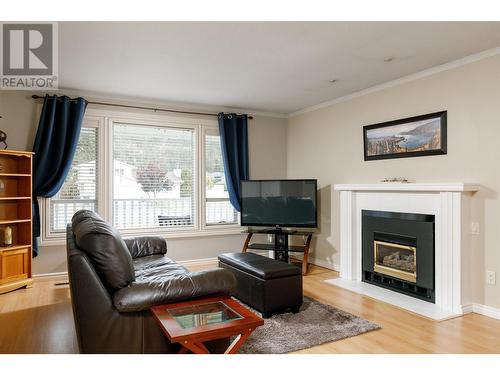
15 217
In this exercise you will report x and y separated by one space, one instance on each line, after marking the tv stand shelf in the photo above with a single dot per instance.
280 245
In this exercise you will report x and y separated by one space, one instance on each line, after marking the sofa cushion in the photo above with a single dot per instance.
156 267
105 248
152 289
159 280
144 246
260 266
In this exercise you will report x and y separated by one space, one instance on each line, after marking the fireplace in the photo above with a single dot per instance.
396 260
398 252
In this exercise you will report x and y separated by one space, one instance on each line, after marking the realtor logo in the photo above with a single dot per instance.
29 56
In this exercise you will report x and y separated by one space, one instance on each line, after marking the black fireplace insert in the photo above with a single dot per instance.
398 252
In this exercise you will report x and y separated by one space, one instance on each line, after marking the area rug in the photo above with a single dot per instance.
315 324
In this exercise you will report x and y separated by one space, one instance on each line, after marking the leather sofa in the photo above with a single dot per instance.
114 282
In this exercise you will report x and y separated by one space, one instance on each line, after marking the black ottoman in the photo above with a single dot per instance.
269 286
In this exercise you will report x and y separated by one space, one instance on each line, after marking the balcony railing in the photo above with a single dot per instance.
220 211
147 212
62 210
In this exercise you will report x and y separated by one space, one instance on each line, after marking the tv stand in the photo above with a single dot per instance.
280 244
276 230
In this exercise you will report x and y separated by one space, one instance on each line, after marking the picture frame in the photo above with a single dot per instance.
422 135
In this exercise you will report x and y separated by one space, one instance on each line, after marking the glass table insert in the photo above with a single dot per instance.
203 314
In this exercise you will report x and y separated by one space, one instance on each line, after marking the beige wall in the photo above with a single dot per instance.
334 153
18 112
267 149
267 143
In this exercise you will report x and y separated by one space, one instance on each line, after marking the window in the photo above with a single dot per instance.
146 174
153 184
80 187
218 208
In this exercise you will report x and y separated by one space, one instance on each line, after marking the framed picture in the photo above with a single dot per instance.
414 136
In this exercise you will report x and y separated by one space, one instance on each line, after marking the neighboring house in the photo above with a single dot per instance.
125 185
218 190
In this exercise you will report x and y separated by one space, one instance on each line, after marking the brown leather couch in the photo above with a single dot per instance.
114 282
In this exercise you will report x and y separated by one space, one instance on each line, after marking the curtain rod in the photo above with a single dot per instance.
147 108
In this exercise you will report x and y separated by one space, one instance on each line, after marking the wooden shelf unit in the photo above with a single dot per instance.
16 212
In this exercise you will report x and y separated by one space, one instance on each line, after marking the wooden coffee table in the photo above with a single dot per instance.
191 323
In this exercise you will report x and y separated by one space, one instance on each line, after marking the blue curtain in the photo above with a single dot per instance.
234 142
55 145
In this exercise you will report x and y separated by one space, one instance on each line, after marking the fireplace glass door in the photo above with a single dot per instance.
395 260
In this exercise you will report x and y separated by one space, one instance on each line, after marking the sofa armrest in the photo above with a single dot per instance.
146 245
142 296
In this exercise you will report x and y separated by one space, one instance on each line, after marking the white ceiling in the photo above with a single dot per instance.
278 67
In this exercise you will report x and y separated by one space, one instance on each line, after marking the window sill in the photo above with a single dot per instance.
61 241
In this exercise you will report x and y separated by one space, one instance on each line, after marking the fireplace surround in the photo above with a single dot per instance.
451 204
398 252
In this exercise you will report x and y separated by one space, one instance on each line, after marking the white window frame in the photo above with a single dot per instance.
212 129
47 237
104 120
154 122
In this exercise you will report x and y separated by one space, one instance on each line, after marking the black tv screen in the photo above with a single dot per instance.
284 203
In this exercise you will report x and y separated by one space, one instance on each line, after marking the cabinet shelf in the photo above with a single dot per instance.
15 175
14 247
14 221
13 198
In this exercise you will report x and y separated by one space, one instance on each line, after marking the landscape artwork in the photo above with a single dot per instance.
414 136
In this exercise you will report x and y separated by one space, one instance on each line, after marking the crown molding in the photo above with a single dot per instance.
412 77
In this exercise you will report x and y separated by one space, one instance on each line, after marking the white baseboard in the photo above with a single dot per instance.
192 262
467 309
50 274
210 260
324 264
492 312
315 261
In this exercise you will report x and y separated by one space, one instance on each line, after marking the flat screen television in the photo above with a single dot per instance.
279 203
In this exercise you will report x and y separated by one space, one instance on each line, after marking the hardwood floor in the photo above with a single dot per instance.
40 320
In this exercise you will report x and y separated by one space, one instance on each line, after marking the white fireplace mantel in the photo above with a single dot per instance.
442 187
449 203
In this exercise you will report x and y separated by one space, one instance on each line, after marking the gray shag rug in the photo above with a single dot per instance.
315 324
